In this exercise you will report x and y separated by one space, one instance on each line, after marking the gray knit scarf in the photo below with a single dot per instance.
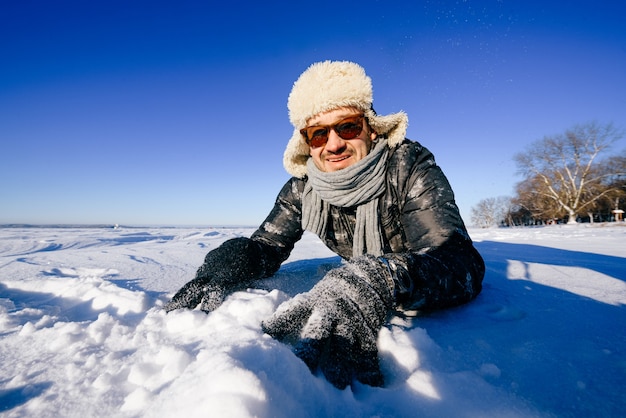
359 185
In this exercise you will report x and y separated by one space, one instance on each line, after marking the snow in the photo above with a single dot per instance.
82 332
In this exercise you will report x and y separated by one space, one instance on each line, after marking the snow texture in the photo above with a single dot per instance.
83 333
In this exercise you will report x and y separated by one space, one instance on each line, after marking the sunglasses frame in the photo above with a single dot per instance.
313 144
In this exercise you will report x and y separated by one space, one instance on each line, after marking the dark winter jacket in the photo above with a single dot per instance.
423 231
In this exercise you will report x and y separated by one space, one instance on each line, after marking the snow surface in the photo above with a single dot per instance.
82 332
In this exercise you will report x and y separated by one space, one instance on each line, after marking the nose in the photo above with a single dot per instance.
335 143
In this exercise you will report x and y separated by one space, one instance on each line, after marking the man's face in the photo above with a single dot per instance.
340 153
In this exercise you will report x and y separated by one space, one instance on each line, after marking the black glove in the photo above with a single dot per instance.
334 326
228 268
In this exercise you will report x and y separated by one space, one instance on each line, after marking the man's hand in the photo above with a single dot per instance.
334 327
204 291
228 268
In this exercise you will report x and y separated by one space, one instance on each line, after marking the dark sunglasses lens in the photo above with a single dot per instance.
349 130
317 137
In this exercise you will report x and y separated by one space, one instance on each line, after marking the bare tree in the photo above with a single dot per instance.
491 211
563 173
540 206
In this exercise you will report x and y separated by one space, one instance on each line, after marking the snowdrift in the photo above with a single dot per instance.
82 332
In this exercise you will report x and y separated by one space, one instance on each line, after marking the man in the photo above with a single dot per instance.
376 199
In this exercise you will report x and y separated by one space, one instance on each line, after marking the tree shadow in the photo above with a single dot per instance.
562 352
13 397
497 254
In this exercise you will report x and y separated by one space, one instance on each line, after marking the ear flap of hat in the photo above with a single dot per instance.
392 126
296 155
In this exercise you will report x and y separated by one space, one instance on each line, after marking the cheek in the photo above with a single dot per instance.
366 148
316 156
319 164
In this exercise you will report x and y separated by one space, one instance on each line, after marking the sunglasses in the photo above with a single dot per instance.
348 128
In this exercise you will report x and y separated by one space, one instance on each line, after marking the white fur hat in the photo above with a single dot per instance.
326 86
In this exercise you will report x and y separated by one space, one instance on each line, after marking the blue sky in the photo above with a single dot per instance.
174 113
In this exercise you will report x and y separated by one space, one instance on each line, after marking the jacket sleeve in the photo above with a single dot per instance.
277 235
439 266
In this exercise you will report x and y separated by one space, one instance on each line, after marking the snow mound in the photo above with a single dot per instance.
82 332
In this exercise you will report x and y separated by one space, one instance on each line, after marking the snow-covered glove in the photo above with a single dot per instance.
334 326
228 268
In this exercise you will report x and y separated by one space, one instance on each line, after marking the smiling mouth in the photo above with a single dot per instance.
337 159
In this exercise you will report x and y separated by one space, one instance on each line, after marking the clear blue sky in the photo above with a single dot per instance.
152 112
